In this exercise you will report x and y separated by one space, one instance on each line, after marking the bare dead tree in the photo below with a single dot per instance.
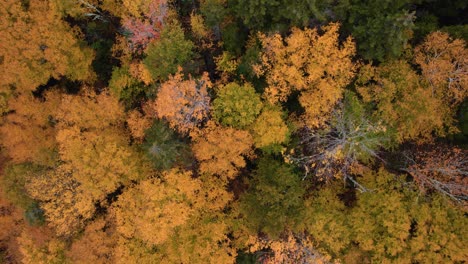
350 138
440 168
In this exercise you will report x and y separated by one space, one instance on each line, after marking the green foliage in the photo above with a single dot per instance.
214 11
34 215
278 14
125 87
14 180
233 38
362 136
170 51
381 28
274 200
326 219
391 222
236 105
163 147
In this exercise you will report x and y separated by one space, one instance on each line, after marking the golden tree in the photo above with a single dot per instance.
154 208
444 65
28 133
37 45
314 64
221 150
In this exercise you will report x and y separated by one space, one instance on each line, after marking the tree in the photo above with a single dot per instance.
41 250
220 150
14 180
278 14
95 245
65 204
443 64
147 28
313 64
269 130
440 168
93 146
236 105
274 201
164 148
185 104
172 50
351 137
389 223
28 133
292 248
38 45
403 102
382 28
156 207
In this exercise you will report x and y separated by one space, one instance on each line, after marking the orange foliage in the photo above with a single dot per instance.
444 65
220 150
314 64
65 204
154 208
138 124
37 45
185 104
95 246
27 132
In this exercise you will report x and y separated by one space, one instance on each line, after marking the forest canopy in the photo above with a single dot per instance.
233 131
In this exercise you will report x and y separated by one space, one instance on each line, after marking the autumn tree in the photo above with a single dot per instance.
389 223
236 105
14 180
145 28
171 50
40 249
269 130
155 207
92 144
221 150
38 45
274 200
444 66
185 104
440 168
28 133
95 245
179 216
403 102
65 205
292 248
314 64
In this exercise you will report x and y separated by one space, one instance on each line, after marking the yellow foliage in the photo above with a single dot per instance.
154 208
96 245
221 150
37 45
27 133
444 65
138 124
314 64
198 26
139 71
269 128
